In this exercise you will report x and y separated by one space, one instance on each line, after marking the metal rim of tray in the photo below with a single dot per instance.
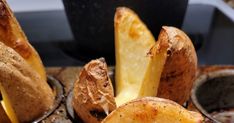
71 113
202 79
57 88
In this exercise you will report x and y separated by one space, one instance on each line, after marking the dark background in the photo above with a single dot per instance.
211 31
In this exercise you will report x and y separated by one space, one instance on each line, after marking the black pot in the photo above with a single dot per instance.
92 24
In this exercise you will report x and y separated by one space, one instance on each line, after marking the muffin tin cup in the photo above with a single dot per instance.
214 91
57 89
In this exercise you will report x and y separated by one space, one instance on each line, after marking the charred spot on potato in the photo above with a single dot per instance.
105 84
168 52
100 115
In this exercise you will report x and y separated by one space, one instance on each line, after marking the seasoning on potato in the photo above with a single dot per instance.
181 66
23 82
93 94
25 95
152 110
145 68
13 36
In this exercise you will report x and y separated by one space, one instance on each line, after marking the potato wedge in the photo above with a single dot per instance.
93 93
13 36
3 116
25 95
137 74
152 110
181 66
7 106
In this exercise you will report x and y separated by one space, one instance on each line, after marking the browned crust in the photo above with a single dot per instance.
8 36
13 36
154 100
151 103
159 47
120 12
92 91
180 68
29 95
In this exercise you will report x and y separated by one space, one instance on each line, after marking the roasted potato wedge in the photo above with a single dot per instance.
181 66
137 74
152 110
143 68
25 95
13 36
132 41
93 94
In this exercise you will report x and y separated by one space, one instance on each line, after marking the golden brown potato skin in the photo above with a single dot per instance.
180 68
139 60
29 95
152 110
3 116
93 92
13 36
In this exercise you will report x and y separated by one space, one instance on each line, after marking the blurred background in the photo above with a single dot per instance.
209 23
